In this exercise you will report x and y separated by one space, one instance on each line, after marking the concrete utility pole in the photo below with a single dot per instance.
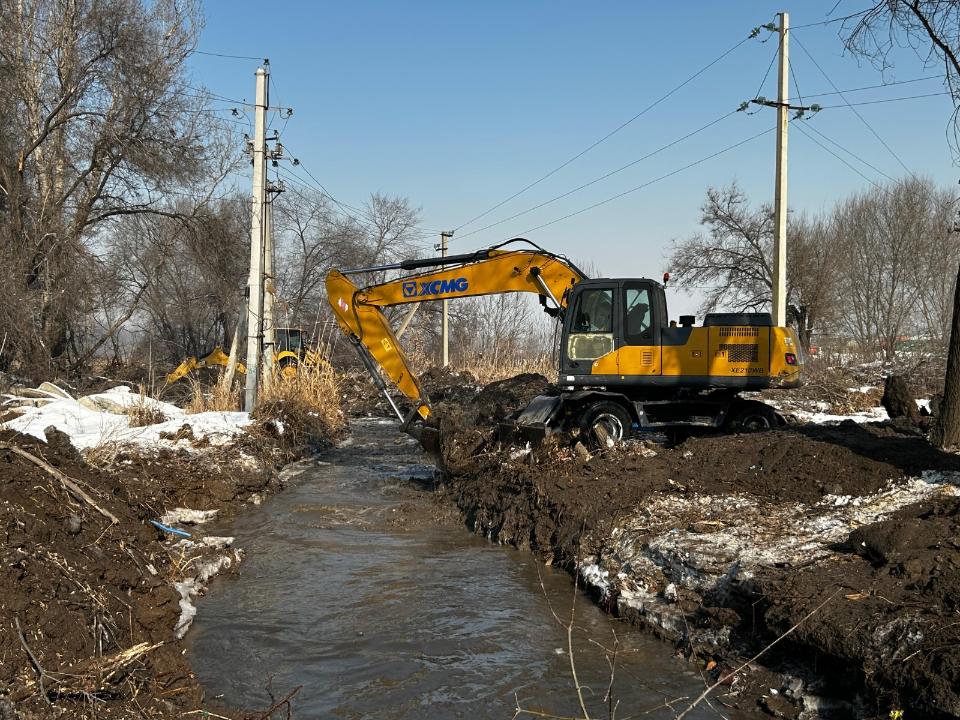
445 322
780 194
255 281
269 292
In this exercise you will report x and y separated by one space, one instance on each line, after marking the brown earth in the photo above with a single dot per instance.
83 589
892 633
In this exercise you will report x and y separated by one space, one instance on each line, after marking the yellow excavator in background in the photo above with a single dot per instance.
623 366
291 353
215 357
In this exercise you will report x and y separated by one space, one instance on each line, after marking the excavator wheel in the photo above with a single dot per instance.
605 423
752 416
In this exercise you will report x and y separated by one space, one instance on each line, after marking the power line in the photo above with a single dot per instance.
875 87
877 170
830 22
609 135
231 57
852 108
831 152
887 100
605 176
776 51
292 177
340 202
651 182
795 83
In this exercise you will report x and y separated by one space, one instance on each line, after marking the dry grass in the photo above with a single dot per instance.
144 412
486 371
211 398
307 407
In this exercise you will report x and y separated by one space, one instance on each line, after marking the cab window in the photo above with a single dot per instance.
638 315
591 334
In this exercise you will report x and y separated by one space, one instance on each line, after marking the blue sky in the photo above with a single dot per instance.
459 105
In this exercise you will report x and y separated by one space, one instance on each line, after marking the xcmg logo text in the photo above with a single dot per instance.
413 288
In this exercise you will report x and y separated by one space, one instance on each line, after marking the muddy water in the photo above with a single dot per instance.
383 613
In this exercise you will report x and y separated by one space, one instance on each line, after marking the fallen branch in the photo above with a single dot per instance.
725 676
67 483
41 673
265 715
91 677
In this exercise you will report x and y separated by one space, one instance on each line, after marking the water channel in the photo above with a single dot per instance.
384 619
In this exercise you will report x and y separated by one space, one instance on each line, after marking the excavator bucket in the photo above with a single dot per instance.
427 436
535 422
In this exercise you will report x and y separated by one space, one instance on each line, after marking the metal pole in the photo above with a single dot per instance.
255 281
780 194
445 323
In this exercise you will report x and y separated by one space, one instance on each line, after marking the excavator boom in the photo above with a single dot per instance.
494 270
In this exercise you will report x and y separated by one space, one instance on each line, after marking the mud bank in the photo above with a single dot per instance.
95 598
844 535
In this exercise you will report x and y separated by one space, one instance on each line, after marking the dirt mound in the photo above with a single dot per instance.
895 618
87 593
790 465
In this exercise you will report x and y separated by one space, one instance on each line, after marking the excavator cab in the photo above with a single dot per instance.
293 349
608 315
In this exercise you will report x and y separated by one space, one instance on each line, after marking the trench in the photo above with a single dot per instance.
352 588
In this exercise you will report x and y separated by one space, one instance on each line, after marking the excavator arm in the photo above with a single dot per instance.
359 311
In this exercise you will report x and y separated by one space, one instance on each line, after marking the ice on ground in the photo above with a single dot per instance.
818 412
877 414
101 419
191 587
186 516
704 542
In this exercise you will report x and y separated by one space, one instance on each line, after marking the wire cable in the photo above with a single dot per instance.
831 152
289 176
810 126
886 100
852 108
834 20
795 83
226 55
651 182
603 177
875 87
606 137
776 51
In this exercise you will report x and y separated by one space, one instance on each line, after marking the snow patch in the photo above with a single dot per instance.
186 516
101 419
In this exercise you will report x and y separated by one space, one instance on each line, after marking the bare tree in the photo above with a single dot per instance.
187 277
98 122
312 236
730 262
934 26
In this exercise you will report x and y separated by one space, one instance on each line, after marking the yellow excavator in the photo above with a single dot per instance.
291 353
623 366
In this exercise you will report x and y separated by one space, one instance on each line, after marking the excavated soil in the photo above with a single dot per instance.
889 634
83 590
